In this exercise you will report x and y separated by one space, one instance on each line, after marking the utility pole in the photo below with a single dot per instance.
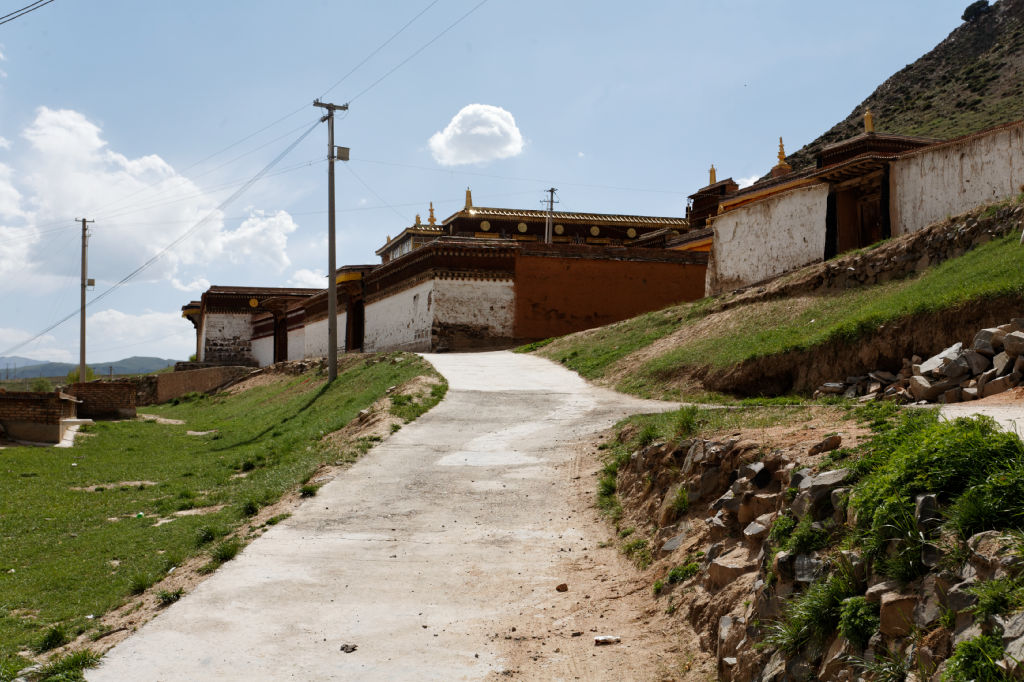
85 284
548 237
332 285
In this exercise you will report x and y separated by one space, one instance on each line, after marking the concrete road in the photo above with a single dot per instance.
1010 416
414 555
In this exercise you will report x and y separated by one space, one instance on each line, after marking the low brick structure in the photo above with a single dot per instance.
105 399
176 384
38 417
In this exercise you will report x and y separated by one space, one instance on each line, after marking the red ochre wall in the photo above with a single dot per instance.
557 296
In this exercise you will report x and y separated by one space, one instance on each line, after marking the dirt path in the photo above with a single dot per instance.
427 553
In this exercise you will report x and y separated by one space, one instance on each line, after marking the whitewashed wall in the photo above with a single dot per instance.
476 303
263 350
297 344
932 184
226 336
401 321
315 339
767 238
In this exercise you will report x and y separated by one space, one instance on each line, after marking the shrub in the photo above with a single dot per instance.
858 620
975 659
658 586
55 636
308 490
639 551
781 529
140 582
72 376
685 422
997 597
806 538
250 508
681 502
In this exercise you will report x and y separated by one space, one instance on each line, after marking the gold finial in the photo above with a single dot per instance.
713 176
869 122
417 218
469 198
782 153
389 239
432 220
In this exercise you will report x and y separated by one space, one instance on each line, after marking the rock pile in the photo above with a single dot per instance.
993 363
740 490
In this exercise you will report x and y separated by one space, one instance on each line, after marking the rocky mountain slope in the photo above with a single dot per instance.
972 80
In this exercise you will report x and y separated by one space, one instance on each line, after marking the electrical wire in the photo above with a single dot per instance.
17 14
425 45
374 192
134 273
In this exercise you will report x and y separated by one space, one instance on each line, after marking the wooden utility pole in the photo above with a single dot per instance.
548 237
85 284
332 285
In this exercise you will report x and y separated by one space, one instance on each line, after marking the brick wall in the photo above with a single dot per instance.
105 399
35 416
176 384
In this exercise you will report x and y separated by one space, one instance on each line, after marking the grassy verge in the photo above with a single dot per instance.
79 527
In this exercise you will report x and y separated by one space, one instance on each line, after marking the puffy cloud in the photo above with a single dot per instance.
40 349
308 279
4 143
140 206
198 285
478 133
747 182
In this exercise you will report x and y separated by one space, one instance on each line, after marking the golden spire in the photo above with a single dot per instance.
782 153
869 122
713 177
781 168
417 218
469 198
432 220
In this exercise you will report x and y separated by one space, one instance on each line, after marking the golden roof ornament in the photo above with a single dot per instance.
782 153
417 218
469 198
869 122
781 168
432 220
714 178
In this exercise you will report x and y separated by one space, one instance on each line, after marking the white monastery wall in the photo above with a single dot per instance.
263 350
401 321
227 337
297 344
931 184
478 304
315 338
767 237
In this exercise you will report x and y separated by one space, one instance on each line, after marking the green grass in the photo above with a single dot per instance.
989 271
812 616
410 406
68 552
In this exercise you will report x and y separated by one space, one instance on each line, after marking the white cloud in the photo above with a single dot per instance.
747 182
308 279
477 134
113 334
580 154
198 285
4 143
140 206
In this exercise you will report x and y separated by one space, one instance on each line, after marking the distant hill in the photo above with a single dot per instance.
132 365
16 361
972 80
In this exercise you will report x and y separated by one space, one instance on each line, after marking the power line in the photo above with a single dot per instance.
374 192
414 54
379 48
17 14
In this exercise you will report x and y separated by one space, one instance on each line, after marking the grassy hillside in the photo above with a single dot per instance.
968 82
650 355
82 529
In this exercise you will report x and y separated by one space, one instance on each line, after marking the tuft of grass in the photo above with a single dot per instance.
639 552
536 345
812 616
68 668
249 508
140 581
55 636
309 490
997 597
658 586
683 572
276 519
227 550
168 597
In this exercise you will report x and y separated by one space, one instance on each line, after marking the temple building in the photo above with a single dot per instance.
861 190
482 278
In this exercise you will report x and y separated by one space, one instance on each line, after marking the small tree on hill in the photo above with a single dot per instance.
975 10
41 385
73 375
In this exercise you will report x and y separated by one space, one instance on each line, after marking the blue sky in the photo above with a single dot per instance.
119 111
